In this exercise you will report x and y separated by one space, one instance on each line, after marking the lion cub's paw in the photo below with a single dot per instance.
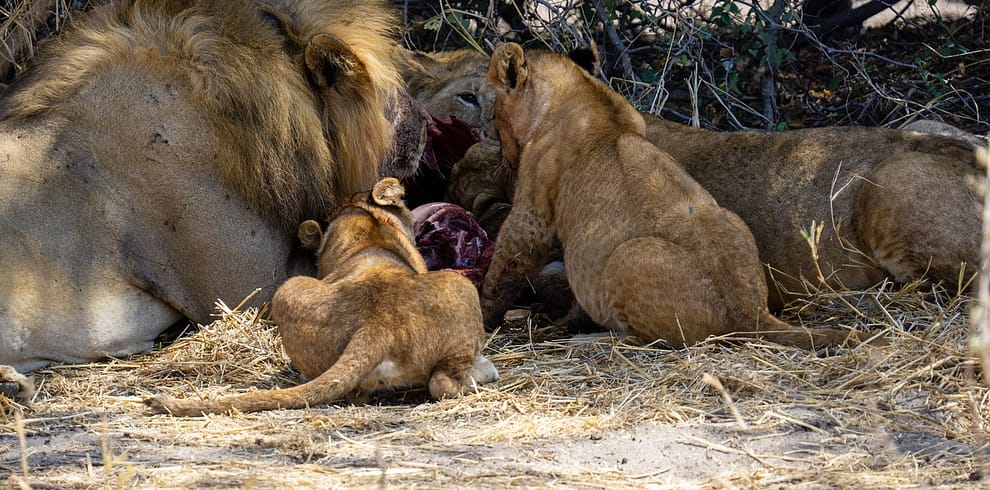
451 383
483 371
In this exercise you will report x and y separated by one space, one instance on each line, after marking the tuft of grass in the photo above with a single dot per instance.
922 384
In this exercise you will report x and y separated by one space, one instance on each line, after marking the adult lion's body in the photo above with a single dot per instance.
892 203
163 151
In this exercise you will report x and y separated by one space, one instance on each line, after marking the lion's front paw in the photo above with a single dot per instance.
16 385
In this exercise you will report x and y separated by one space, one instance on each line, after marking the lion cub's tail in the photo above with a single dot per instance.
360 356
776 330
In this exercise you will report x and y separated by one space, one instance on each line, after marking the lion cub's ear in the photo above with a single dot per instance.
508 67
587 57
310 234
330 62
388 192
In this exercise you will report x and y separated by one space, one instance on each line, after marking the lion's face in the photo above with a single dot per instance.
452 85
482 183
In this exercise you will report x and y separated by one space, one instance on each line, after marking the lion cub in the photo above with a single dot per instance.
376 318
645 247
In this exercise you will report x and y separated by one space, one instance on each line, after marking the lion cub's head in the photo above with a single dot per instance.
530 85
376 219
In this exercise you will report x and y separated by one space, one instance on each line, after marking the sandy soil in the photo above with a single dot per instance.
574 412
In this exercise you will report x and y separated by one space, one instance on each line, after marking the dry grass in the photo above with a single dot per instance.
908 413
579 412
21 25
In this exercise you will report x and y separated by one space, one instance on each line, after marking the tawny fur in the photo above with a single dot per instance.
894 204
482 182
246 74
376 318
451 84
160 154
645 247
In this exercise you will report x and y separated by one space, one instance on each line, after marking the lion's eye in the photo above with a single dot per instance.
468 98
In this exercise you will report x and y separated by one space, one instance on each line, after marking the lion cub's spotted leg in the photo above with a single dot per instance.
525 244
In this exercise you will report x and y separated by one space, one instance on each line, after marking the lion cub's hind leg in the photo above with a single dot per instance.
455 376
658 291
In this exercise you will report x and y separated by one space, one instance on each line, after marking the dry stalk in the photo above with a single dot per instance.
22 442
616 41
980 341
717 385
554 387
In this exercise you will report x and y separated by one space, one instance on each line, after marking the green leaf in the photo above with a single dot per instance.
733 82
833 83
649 75
432 24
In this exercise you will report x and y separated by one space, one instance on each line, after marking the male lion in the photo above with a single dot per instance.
376 318
645 247
160 154
894 204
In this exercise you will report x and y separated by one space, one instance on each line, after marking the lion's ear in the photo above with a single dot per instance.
508 67
330 61
426 64
388 192
310 234
587 57
418 69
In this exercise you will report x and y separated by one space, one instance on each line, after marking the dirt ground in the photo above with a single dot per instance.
587 411
307 449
